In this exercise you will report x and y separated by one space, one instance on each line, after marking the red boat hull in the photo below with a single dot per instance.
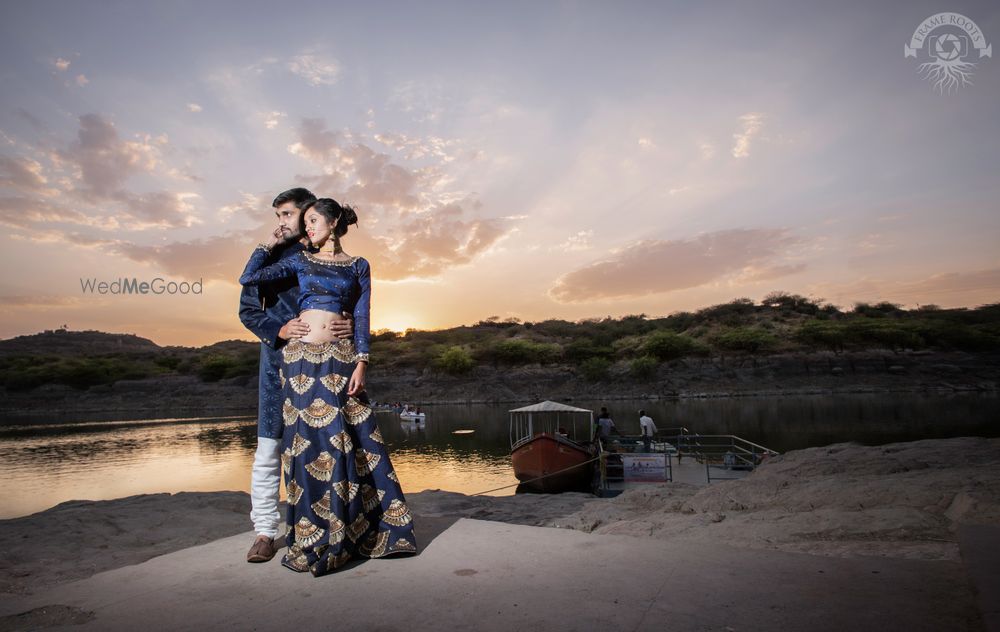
544 454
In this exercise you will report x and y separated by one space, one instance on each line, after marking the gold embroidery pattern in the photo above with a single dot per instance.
294 492
342 441
375 544
339 262
398 514
371 497
403 544
343 349
322 468
334 382
358 528
292 352
322 509
302 383
297 558
289 412
365 462
306 533
347 491
392 476
337 530
317 352
355 411
319 413
376 436
286 462
281 376
299 444
336 561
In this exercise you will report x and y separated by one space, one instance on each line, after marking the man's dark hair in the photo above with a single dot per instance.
298 196
642 413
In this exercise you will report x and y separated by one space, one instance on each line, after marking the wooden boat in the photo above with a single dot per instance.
557 463
548 454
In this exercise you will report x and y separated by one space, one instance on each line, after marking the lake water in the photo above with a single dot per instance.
47 462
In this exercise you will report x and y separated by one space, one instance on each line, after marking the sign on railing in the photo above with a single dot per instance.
645 467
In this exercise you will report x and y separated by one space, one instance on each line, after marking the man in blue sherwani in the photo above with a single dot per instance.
271 313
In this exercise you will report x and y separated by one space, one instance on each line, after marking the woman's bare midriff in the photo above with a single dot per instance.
319 322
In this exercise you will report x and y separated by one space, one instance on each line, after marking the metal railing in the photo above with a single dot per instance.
723 453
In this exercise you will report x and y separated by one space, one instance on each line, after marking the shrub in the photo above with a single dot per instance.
747 339
595 369
666 345
519 351
790 303
644 367
455 360
580 350
824 333
889 334
214 368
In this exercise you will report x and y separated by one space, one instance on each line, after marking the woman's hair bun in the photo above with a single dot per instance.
348 215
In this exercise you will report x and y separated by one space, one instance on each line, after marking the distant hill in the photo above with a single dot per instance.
593 349
61 342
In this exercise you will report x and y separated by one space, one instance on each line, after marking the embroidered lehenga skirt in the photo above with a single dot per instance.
344 498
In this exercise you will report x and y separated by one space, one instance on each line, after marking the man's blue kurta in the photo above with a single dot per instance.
264 309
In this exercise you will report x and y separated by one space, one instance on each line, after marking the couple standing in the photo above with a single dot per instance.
315 422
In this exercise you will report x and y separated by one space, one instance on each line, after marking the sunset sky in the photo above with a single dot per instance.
527 159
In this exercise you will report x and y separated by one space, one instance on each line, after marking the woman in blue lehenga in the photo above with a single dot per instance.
344 498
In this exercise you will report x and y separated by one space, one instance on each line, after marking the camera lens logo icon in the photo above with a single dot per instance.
949 47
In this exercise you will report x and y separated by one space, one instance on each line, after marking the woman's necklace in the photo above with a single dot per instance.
332 253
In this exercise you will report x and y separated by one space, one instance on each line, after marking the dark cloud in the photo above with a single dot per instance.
29 213
316 141
952 289
379 181
104 160
215 258
434 240
21 301
32 120
354 172
652 266
772 272
23 174
159 208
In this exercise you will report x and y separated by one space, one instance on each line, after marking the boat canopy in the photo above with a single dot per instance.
547 416
549 406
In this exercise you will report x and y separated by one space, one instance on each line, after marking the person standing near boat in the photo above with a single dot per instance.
648 430
605 425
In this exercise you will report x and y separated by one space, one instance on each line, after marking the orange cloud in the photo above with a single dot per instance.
654 266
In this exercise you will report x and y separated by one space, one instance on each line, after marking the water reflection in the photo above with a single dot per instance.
45 464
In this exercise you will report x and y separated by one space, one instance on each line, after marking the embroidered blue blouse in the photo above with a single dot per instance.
332 286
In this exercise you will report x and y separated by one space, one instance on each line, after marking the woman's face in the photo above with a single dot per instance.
317 228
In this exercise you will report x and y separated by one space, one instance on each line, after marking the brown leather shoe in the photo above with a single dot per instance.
263 549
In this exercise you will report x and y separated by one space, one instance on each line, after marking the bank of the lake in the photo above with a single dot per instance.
902 500
870 371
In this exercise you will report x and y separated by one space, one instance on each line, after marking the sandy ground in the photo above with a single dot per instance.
904 500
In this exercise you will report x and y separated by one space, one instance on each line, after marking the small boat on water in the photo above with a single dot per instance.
549 454
409 414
